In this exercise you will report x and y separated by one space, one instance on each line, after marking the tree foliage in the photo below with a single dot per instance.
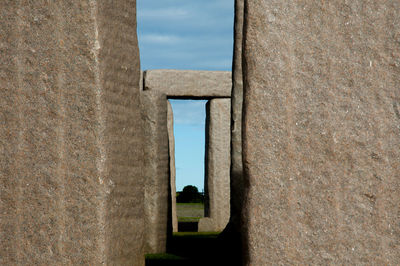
190 194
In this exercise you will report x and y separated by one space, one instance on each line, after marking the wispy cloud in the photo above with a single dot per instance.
188 112
159 39
171 13
186 34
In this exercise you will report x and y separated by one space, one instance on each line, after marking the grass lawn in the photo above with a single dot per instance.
194 248
189 212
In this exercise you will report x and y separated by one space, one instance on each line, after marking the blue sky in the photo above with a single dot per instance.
189 131
186 34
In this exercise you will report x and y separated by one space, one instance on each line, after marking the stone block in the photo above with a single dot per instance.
321 132
189 83
71 134
217 166
156 170
233 237
237 184
172 169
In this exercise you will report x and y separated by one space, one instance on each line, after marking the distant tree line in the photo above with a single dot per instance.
190 194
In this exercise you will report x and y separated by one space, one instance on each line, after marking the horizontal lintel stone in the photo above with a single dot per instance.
189 83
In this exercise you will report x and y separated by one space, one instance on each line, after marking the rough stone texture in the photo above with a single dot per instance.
189 83
172 169
70 135
321 132
233 235
141 81
236 122
217 166
156 170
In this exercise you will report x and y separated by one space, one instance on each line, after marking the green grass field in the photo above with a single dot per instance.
190 248
194 248
189 212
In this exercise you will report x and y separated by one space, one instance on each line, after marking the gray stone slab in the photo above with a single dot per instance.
321 132
172 169
71 134
189 83
217 166
237 184
156 170
233 237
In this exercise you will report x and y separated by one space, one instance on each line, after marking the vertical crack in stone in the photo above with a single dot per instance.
100 162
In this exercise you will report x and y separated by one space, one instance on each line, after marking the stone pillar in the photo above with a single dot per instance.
217 164
172 169
321 132
156 170
233 237
71 134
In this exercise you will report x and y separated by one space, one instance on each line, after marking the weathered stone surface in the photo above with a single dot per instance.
156 170
233 235
172 169
236 116
141 81
189 83
217 166
70 135
322 132
236 120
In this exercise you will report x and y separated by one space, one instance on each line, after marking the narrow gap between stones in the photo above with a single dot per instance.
189 133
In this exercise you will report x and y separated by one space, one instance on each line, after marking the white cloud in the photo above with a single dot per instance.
163 14
189 112
186 34
159 39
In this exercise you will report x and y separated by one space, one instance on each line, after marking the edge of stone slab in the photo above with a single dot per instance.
189 83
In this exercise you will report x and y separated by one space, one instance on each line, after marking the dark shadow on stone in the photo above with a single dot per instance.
169 221
165 260
230 246
188 226
190 248
206 162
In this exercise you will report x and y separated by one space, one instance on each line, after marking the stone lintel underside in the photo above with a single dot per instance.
189 83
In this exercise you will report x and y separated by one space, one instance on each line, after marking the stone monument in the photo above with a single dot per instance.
156 166
172 168
71 184
217 166
321 132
